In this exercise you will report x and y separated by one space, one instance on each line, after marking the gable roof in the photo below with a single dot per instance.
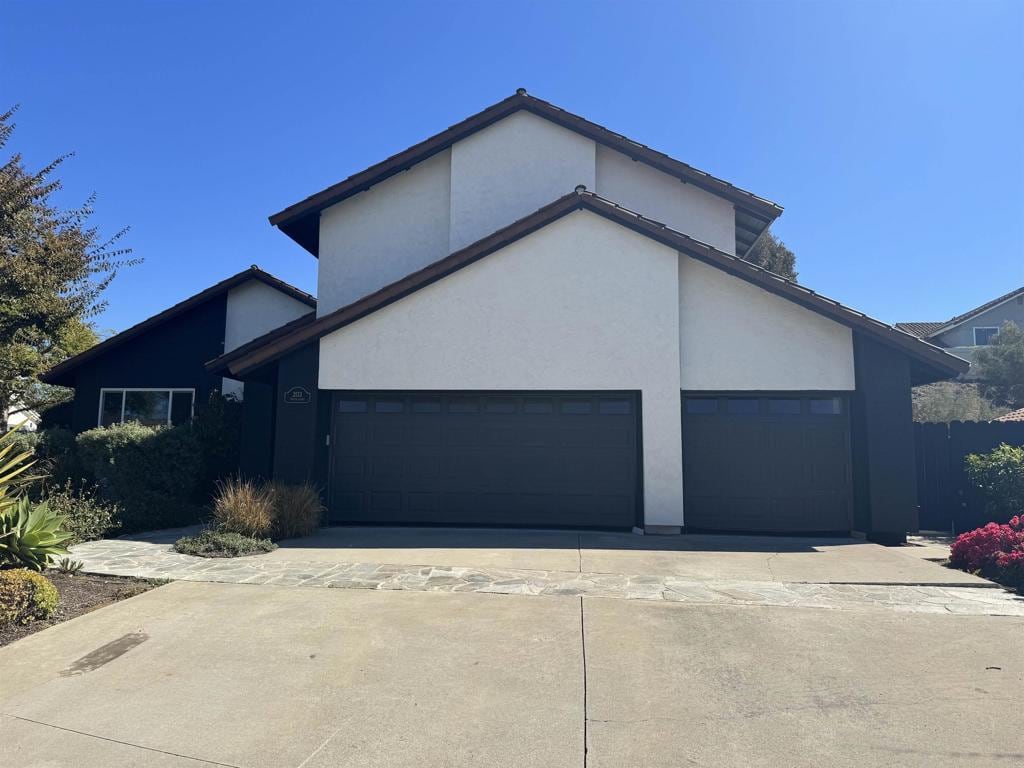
59 373
955 321
301 221
935 363
921 330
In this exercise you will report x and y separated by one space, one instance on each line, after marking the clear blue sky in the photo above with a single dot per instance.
891 132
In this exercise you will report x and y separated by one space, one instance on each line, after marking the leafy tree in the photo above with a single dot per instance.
53 270
946 401
1000 367
772 254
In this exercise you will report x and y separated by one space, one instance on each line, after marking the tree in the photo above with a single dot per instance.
53 271
946 401
772 254
1000 367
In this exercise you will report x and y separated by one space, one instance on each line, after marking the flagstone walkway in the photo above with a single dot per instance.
157 560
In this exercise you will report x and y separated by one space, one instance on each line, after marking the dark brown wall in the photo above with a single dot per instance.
300 435
171 355
885 486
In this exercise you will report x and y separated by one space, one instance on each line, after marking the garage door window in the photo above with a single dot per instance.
352 406
426 406
778 406
741 407
538 405
576 406
826 406
701 405
614 407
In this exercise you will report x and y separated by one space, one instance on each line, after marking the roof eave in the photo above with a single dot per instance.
300 221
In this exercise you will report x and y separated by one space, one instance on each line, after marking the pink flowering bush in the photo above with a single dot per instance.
994 550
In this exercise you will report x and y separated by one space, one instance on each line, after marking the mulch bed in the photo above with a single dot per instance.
79 594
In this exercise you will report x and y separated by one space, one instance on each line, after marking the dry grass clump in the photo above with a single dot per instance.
245 507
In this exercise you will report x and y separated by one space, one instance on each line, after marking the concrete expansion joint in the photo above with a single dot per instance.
118 741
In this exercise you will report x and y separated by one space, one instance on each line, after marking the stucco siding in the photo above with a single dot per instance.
736 336
664 198
384 234
963 334
580 304
509 170
254 308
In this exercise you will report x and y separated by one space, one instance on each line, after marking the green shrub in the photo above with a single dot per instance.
222 544
151 474
297 510
26 596
244 506
86 515
999 475
30 534
217 425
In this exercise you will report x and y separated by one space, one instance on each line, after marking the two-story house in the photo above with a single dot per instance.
964 334
530 320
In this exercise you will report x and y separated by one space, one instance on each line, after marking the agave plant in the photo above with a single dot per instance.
31 535
12 468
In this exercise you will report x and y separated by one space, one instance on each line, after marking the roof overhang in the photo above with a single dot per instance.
929 363
61 374
301 221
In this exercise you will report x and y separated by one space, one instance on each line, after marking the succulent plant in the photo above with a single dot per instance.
31 534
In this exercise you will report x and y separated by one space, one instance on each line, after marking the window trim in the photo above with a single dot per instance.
171 391
976 328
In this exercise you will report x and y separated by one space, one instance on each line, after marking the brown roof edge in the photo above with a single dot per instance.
945 363
954 321
55 374
221 364
294 222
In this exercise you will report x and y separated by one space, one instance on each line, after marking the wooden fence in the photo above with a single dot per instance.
946 501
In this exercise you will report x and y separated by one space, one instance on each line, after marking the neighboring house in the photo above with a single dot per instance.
964 334
25 419
155 373
1017 415
530 320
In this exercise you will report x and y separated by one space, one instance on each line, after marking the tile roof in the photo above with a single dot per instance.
300 221
1017 415
921 330
938 363
58 374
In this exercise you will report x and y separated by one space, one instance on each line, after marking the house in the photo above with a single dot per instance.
1017 415
530 320
155 372
965 333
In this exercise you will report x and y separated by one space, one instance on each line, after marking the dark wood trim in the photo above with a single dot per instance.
940 364
300 221
58 374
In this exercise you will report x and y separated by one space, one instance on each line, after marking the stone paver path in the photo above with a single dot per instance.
148 560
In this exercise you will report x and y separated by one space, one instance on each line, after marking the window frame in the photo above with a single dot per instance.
976 328
171 391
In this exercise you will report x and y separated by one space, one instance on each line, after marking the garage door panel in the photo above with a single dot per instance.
773 464
536 459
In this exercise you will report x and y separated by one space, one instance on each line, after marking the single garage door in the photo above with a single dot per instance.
481 458
773 464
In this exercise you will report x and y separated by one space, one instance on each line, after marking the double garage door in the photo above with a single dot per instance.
484 458
572 459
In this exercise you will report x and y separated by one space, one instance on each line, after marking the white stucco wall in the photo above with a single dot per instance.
580 304
665 198
736 336
384 234
255 308
510 169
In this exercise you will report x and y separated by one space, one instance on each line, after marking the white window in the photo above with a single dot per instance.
152 407
983 336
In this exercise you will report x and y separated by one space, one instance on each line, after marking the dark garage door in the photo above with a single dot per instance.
474 458
773 464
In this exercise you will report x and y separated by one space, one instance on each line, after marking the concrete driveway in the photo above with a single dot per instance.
240 675
419 664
